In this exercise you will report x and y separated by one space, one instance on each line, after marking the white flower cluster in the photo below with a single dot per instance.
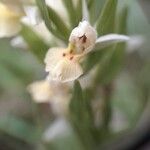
14 13
54 93
63 64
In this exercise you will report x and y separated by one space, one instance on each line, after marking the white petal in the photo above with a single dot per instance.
109 39
85 12
9 22
83 36
19 42
135 43
59 128
9 28
60 103
32 14
40 91
53 56
66 70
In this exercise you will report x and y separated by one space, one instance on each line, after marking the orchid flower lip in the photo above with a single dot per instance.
62 65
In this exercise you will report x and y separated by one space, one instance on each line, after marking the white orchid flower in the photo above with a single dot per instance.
40 91
47 92
33 19
63 64
11 16
9 21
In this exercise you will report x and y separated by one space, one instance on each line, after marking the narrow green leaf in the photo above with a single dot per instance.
121 25
104 67
71 12
37 46
113 61
79 11
81 117
90 3
106 21
105 25
107 108
61 26
92 60
76 102
80 104
44 12
95 7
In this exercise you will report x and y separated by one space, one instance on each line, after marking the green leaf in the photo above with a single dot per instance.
105 25
81 116
45 14
90 2
80 104
121 25
95 7
76 101
19 128
113 60
106 21
71 12
59 23
92 60
37 46
79 11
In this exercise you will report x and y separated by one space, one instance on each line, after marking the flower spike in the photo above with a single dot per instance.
63 64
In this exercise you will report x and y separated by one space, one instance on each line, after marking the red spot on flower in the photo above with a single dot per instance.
71 57
84 38
64 54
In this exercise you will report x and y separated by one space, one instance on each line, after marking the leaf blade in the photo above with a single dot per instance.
37 46
106 21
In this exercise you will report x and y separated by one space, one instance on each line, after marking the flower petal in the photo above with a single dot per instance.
53 56
40 91
83 37
32 15
85 12
66 70
109 39
135 43
19 42
9 22
59 128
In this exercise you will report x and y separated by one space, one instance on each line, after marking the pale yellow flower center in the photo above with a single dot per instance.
71 54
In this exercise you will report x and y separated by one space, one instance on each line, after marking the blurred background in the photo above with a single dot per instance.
21 119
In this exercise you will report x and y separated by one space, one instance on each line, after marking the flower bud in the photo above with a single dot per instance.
83 38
